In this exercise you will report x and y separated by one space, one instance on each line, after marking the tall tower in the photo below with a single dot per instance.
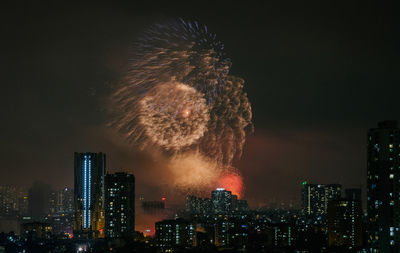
383 187
120 205
89 195
344 220
222 201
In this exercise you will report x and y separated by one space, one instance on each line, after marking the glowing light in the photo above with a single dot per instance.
194 173
163 198
179 99
186 113
86 178
232 182
180 71
162 118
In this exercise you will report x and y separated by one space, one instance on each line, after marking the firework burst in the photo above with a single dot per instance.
178 95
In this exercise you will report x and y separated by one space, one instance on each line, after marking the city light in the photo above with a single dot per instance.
258 121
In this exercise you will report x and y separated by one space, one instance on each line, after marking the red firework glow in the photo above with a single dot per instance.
232 182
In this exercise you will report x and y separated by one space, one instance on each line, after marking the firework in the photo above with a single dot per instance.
192 172
231 181
173 115
178 95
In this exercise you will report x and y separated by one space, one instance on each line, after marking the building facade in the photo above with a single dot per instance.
198 206
315 198
171 234
345 223
64 201
221 200
89 195
13 200
119 205
383 187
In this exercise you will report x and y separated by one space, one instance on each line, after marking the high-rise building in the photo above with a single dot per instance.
65 200
239 205
345 222
224 231
174 233
119 205
332 192
13 200
89 195
315 198
198 206
282 235
383 187
62 201
222 201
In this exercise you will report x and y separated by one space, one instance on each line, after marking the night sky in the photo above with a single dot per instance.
318 76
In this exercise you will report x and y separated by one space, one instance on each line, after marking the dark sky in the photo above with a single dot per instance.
318 75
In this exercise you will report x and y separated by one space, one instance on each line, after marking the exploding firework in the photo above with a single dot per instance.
178 95
179 110
232 181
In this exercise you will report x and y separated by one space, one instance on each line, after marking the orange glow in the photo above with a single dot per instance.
186 113
232 182
163 198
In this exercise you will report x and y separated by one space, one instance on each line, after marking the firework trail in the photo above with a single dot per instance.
178 96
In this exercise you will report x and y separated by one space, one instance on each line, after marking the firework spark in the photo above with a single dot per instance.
178 96
173 115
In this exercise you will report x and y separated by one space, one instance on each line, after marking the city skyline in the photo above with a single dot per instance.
222 221
253 126
311 95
